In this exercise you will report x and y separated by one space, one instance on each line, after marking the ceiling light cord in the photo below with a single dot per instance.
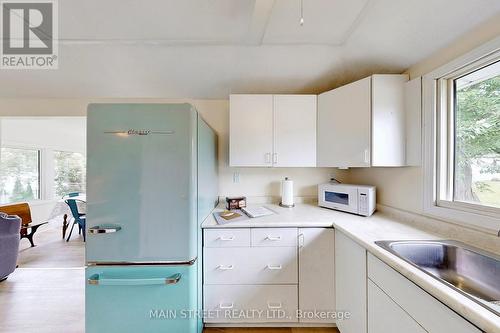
301 12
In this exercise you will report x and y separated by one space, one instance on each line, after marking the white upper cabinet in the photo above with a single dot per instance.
294 131
344 126
413 108
272 131
251 130
362 124
388 120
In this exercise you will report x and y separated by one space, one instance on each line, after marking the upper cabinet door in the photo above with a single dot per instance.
251 130
344 126
294 131
388 120
413 110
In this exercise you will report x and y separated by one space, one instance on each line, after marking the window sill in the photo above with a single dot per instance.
476 221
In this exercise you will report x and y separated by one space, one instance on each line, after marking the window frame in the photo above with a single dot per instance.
437 88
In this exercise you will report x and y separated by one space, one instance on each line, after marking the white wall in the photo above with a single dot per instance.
254 182
403 187
58 133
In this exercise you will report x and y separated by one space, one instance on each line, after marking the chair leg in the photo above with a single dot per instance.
71 231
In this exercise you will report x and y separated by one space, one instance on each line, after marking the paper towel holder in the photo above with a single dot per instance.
286 206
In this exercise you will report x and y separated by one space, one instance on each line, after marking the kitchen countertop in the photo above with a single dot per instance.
365 231
302 215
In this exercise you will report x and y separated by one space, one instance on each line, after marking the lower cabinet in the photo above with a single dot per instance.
381 300
251 265
269 275
316 275
250 303
385 316
432 315
350 284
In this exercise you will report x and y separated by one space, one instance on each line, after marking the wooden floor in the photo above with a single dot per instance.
51 250
271 330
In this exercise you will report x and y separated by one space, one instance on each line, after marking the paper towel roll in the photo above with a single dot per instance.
287 193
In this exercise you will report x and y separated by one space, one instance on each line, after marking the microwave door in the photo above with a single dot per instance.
342 199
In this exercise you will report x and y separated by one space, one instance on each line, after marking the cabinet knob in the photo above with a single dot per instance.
275 158
225 238
226 306
277 305
225 267
268 157
301 240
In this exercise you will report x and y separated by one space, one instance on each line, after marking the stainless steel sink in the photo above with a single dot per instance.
470 271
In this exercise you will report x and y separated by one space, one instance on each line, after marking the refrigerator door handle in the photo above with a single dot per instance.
100 229
95 279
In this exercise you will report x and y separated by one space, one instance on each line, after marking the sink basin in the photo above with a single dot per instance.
472 272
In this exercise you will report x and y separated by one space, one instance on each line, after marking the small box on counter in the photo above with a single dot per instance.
236 202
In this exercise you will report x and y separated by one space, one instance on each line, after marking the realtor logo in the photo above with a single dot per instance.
29 34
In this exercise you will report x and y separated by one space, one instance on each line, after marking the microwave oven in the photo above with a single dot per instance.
356 199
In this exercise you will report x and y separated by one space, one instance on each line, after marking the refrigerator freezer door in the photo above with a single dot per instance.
141 191
141 299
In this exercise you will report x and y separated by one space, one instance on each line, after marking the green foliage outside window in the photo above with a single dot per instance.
19 175
70 172
477 146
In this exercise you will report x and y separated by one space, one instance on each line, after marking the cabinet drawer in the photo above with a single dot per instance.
226 237
430 313
256 265
250 304
274 237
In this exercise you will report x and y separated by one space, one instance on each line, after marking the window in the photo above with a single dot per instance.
477 137
19 174
470 138
461 114
70 172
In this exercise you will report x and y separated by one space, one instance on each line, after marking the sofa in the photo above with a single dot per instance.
10 226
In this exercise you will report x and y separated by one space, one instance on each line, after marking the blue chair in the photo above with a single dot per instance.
78 218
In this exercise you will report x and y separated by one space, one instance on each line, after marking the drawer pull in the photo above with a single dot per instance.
226 239
273 238
274 267
225 267
226 306
274 305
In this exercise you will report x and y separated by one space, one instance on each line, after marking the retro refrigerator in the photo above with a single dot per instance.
151 180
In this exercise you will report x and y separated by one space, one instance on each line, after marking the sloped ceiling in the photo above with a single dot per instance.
211 48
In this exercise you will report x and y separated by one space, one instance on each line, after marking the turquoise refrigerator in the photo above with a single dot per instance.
151 180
